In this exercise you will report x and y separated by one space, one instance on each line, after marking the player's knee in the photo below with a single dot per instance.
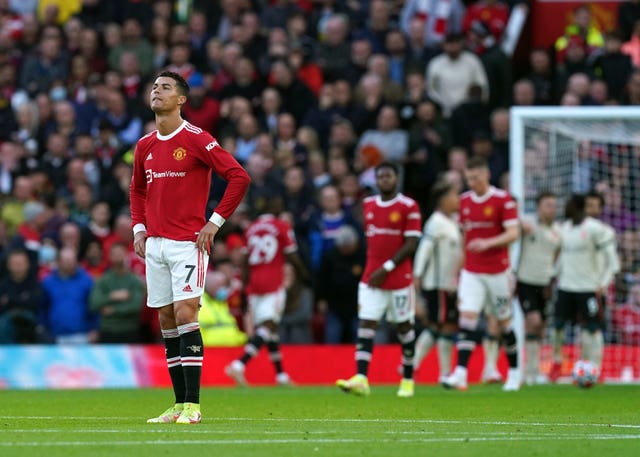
264 332
468 321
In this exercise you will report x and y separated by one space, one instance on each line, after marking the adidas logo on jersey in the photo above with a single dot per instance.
187 288
150 156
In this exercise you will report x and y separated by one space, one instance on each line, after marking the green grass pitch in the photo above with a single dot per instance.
321 421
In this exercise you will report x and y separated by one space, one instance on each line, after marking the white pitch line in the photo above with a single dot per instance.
348 420
313 441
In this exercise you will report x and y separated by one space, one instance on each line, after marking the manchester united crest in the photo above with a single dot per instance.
394 216
179 153
488 211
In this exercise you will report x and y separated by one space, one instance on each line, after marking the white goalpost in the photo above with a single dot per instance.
574 150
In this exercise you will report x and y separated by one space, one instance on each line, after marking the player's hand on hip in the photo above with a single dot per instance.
377 277
206 236
139 243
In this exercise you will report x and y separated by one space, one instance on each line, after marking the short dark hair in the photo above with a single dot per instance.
575 208
390 165
475 162
181 84
544 194
597 195
439 190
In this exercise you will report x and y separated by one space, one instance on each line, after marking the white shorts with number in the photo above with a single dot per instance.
489 292
175 271
267 307
399 304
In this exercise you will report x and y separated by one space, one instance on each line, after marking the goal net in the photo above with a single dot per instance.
574 150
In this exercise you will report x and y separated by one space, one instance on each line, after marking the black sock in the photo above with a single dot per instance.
254 344
467 340
364 349
172 352
408 342
511 348
191 355
273 346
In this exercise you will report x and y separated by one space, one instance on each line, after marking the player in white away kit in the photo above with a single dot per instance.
586 266
489 221
270 242
436 267
539 244
169 192
392 227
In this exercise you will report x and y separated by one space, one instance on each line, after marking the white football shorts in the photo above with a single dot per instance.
489 292
267 307
399 304
175 271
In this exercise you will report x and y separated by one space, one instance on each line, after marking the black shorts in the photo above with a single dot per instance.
578 307
531 298
442 306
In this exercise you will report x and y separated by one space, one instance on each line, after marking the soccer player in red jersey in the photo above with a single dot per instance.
169 192
393 228
489 220
270 242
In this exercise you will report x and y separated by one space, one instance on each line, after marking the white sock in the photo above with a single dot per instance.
445 347
490 347
423 346
586 345
597 348
532 349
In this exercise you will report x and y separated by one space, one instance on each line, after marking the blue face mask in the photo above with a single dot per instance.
47 254
222 294
58 93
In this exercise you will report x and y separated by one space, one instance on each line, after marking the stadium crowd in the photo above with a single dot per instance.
308 95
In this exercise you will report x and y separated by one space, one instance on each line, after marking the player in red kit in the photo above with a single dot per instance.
169 192
393 228
270 242
489 220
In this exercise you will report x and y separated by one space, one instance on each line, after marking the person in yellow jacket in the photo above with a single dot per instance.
217 324
57 11
582 27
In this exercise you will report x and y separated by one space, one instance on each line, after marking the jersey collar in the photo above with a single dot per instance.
481 199
172 134
382 203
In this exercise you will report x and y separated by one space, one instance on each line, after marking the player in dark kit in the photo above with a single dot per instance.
169 192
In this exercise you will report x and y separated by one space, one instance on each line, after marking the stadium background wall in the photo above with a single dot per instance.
122 366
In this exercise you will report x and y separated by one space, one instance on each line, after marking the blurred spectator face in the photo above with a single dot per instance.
112 35
116 104
82 197
57 145
540 61
360 52
415 83
250 24
50 48
122 227
417 30
599 92
338 168
330 200
579 85
286 127
247 127
244 71
593 207
64 113
159 30
569 99
100 214
9 155
612 44
129 64
45 108
281 73
73 30
342 92
70 235
457 159
18 265
296 25
453 48
395 43
378 14
217 281
379 64
113 84
270 101
179 34
524 93
294 179
162 9
215 50
371 85
308 137
131 30
22 188
118 256
387 119
198 24
576 51
481 146
67 261
350 187
341 134
500 124
582 17
264 145
88 42
179 54
79 68
426 112
335 30
84 147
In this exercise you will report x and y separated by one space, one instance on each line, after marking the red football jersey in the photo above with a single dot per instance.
269 239
171 181
486 217
387 224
